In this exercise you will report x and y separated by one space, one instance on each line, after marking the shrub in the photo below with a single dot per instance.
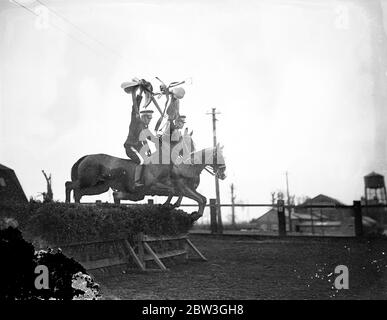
62 223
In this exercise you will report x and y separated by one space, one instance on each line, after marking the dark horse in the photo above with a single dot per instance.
97 173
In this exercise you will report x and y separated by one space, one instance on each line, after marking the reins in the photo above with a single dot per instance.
209 171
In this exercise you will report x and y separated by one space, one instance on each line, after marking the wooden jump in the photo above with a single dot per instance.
143 249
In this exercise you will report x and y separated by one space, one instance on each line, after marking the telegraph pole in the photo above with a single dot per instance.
289 209
232 206
219 214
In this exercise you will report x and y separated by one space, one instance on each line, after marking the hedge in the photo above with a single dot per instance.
62 223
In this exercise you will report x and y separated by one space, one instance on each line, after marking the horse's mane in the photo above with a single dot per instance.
200 152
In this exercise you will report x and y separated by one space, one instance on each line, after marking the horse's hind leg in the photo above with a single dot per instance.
69 188
77 192
73 186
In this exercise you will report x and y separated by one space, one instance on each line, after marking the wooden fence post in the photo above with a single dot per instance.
140 245
281 218
214 223
358 218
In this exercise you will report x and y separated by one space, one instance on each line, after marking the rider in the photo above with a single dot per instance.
176 127
176 136
173 110
138 123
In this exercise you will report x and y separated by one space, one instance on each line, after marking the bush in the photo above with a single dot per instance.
61 223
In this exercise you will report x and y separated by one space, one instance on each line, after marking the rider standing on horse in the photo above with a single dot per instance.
133 145
173 110
138 125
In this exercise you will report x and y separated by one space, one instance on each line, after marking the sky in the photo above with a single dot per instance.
293 82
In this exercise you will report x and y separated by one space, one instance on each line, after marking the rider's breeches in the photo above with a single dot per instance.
133 154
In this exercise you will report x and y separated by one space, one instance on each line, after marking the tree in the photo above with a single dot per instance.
48 196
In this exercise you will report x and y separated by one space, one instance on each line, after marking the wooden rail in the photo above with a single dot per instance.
217 227
140 250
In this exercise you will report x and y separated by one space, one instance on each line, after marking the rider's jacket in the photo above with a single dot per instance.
173 111
172 133
135 128
175 133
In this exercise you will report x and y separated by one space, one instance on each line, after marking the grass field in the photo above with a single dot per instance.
261 268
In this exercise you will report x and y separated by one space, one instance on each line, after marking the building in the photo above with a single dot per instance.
310 220
10 188
334 214
267 222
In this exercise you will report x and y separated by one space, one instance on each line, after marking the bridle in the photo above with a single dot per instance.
214 169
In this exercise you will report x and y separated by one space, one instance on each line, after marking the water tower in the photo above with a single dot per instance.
375 193
375 189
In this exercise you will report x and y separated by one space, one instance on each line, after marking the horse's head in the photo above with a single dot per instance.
219 165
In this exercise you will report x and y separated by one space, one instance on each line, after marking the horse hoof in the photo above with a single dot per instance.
195 216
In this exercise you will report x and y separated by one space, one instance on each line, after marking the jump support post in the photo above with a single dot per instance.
169 246
139 250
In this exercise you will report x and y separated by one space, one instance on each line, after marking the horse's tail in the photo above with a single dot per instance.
74 169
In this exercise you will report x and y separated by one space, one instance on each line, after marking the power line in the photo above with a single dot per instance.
55 26
81 31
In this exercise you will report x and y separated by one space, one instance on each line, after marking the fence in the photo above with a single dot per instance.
281 219
316 220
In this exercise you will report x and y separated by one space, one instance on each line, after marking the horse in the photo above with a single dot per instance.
100 172
96 174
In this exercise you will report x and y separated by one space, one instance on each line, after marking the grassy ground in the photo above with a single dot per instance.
266 268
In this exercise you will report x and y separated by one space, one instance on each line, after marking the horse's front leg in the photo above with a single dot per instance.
178 202
179 185
194 195
168 202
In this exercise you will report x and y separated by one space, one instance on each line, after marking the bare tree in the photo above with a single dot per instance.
48 196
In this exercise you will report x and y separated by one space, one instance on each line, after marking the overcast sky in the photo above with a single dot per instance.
292 79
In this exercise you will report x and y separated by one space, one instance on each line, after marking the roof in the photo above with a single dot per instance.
294 216
2 167
10 188
322 199
272 211
373 174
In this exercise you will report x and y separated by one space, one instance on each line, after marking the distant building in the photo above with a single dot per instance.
268 221
10 188
311 220
334 214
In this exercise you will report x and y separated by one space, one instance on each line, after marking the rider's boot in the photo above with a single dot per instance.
138 183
